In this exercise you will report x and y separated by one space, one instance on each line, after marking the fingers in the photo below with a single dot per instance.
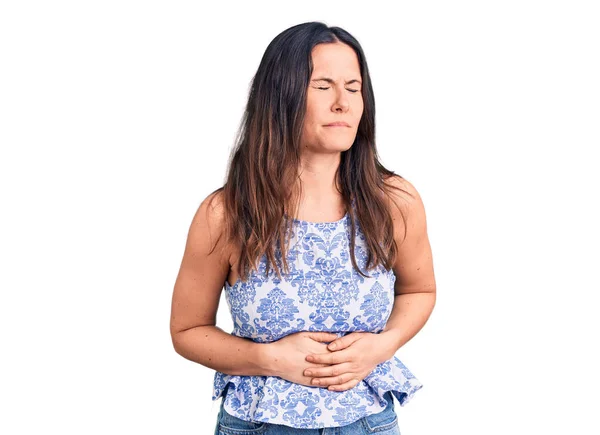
328 358
341 377
345 386
323 336
329 371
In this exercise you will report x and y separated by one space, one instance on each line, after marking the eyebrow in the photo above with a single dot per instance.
328 80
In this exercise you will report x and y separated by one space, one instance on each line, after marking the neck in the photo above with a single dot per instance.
317 178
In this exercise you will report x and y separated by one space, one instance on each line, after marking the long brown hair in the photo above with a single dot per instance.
264 165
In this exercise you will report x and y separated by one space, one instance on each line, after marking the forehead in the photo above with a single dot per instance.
335 59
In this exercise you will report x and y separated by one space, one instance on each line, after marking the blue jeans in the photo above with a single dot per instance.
383 423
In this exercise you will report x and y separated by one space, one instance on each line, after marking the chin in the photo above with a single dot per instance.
329 147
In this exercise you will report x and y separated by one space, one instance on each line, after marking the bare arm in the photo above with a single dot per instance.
415 287
195 301
214 348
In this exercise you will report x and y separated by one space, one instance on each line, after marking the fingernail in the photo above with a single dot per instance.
308 373
332 345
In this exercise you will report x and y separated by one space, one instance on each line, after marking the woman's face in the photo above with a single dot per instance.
334 95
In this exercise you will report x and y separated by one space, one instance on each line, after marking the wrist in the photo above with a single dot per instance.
266 359
388 344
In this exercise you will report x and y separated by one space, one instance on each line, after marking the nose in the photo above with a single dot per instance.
341 101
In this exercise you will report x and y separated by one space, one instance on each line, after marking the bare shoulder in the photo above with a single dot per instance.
403 192
405 204
208 226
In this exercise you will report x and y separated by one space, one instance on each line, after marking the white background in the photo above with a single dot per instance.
117 118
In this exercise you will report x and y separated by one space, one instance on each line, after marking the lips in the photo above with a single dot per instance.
337 124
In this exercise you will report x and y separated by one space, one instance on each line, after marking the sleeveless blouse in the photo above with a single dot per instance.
321 292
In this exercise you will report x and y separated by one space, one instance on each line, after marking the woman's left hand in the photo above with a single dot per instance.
352 359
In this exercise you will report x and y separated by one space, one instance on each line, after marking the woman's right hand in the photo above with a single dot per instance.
286 357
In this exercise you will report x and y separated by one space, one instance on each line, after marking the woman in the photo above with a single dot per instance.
316 244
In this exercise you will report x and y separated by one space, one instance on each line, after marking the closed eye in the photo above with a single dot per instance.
351 90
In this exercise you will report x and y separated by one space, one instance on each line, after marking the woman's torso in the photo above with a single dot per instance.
321 292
